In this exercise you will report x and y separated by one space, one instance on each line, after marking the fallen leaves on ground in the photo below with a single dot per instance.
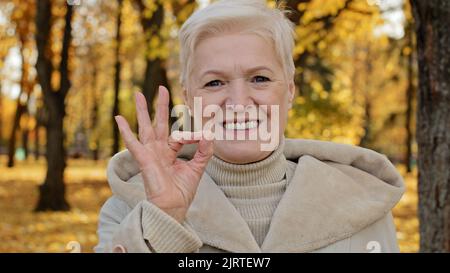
23 230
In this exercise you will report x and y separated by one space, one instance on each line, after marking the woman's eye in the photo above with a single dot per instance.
214 83
260 79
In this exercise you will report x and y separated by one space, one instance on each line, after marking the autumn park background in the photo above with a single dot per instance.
373 73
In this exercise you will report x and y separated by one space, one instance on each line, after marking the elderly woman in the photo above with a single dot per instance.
197 193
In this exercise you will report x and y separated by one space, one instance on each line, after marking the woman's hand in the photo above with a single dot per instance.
170 183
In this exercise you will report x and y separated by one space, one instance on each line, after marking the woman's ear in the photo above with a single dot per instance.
185 96
186 99
291 93
184 93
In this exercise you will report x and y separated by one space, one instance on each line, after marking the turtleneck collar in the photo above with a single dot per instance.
269 170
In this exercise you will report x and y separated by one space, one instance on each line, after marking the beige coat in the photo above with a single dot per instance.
339 199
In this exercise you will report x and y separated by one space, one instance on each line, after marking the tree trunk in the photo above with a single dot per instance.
409 101
40 121
95 114
21 106
432 19
13 135
52 191
115 112
1 119
155 73
96 150
366 139
25 134
36 141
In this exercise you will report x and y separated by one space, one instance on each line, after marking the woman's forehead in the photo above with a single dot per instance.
238 52
233 43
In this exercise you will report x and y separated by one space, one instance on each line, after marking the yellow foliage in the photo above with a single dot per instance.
186 12
55 80
150 7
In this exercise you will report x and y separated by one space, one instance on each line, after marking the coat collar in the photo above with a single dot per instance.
335 191
322 205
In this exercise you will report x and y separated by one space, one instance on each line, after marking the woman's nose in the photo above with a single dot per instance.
239 93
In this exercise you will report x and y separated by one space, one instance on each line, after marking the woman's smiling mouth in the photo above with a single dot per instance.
244 125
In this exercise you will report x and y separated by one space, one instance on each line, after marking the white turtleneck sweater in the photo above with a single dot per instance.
254 189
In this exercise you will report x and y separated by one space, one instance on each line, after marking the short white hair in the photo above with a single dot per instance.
242 16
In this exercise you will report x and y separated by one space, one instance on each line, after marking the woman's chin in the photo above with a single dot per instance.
239 151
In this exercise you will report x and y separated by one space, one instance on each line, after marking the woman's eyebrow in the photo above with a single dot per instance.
258 68
247 71
214 72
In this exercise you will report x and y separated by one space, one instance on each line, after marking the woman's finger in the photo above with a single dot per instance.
176 140
146 132
162 114
132 144
202 155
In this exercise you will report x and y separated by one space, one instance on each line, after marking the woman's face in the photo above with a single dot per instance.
241 75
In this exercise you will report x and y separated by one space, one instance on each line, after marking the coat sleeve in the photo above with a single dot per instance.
144 228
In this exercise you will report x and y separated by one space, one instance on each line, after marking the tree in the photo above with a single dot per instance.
410 98
432 20
155 73
1 118
7 40
318 26
117 66
52 191
22 15
39 116
20 108
156 56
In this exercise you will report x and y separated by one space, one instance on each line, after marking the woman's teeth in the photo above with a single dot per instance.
241 125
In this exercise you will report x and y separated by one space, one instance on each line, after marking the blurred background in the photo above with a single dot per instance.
67 67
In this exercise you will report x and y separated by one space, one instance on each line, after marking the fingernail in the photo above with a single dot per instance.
138 100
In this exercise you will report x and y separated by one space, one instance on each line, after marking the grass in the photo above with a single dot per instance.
22 230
